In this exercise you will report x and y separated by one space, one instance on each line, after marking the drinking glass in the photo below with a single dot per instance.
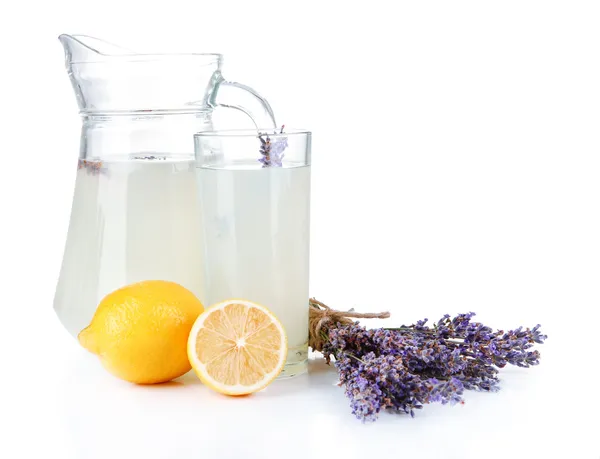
255 197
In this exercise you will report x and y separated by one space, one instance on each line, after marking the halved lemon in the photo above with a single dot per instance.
237 347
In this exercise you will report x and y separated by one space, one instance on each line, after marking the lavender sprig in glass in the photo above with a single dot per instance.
272 151
402 369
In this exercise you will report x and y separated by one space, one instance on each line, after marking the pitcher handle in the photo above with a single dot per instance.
238 96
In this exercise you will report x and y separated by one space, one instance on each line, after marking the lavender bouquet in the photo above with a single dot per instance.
402 369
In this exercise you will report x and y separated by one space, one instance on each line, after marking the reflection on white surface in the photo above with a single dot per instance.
73 408
106 416
307 416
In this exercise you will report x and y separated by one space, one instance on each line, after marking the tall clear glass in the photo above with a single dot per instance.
255 197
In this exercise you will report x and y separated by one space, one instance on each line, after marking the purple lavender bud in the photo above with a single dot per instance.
272 152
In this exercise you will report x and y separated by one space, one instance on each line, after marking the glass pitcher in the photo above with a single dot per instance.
135 213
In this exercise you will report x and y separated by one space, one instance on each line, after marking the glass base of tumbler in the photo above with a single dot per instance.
296 363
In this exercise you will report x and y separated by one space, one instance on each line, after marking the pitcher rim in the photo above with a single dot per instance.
153 57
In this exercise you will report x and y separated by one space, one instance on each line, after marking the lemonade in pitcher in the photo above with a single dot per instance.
133 219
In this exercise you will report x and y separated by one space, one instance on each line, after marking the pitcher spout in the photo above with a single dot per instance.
83 48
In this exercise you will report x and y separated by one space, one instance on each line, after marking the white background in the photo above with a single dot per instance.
455 168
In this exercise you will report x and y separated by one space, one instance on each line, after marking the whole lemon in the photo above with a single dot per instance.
140 331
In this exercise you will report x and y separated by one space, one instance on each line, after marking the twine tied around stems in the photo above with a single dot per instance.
321 315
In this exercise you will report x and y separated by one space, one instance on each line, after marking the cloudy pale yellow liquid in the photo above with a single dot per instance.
256 224
131 220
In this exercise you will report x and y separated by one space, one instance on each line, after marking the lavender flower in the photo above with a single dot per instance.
404 368
272 152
